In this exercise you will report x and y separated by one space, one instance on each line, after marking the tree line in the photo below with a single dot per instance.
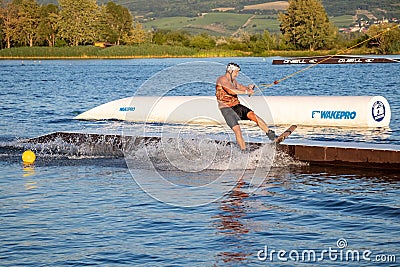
71 22
304 26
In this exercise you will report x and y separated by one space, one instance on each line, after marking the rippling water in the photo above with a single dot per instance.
82 205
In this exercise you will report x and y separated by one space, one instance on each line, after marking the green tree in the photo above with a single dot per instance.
118 22
175 38
262 42
78 21
306 25
47 29
232 43
1 24
136 35
202 41
179 38
268 40
159 37
385 43
28 21
9 16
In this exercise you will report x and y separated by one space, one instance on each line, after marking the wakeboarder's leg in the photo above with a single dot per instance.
239 137
262 124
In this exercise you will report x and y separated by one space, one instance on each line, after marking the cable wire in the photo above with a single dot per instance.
265 86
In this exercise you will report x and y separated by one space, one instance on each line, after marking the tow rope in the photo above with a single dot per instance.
263 86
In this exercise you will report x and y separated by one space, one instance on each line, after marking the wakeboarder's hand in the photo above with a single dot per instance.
250 90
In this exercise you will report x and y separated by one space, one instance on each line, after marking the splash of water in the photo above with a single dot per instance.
182 154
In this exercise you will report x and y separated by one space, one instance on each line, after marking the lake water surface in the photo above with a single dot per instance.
83 205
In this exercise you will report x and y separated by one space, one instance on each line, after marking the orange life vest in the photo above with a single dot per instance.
224 98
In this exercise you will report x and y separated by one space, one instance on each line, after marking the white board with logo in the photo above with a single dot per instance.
340 111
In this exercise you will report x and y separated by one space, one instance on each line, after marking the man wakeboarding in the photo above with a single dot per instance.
227 91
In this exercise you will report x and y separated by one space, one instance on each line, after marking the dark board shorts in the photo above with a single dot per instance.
233 114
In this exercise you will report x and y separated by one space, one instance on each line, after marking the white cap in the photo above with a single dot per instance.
232 67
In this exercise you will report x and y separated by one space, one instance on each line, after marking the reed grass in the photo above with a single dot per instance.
146 51
49 52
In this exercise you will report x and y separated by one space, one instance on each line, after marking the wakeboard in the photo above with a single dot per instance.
285 134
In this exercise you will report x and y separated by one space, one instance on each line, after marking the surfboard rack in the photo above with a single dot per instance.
354 155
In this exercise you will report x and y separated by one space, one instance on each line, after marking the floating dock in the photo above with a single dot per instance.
354 155
334 60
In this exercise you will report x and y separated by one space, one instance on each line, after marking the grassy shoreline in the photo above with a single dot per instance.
147 51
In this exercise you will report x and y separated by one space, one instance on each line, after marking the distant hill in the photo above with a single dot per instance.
191 8
229 17
172 8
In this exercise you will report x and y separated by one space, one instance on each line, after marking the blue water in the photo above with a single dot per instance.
80 205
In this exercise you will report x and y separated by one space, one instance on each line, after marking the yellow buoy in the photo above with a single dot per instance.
28 157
